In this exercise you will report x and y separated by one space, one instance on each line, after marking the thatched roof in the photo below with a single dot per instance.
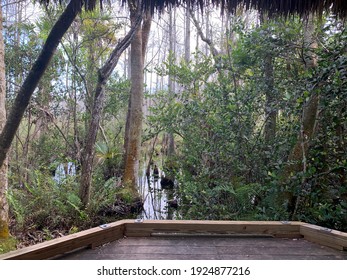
272 7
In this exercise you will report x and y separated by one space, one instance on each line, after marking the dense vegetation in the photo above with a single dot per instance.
259 126
228 169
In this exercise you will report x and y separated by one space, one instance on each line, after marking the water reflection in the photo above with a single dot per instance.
156 200
63 170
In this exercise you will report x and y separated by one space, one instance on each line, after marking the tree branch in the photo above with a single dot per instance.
208 41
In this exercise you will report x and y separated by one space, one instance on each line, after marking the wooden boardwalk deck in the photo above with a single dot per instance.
208 248
154 239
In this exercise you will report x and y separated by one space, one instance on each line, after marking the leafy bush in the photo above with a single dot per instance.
46 204
217 201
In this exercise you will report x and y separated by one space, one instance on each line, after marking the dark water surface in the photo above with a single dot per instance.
156 199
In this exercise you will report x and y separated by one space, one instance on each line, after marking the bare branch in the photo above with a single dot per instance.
208 41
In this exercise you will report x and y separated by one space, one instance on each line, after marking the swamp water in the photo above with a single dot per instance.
157 200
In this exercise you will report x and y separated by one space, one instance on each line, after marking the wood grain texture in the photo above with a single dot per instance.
324 236
209 248
277 229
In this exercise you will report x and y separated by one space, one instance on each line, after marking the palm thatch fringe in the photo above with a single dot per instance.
272 7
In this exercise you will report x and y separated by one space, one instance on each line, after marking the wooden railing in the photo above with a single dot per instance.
137 228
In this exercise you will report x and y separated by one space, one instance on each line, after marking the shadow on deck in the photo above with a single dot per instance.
192 240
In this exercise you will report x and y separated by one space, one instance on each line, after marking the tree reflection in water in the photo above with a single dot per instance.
155 198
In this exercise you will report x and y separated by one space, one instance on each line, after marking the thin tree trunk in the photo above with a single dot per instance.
207 23
43 114
187 34
215 53
22 99
171 82
4 227
270 108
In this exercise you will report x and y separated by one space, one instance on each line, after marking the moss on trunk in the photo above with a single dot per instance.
7 244
4 231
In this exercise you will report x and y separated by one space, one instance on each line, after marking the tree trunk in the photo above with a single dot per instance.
270 99
146 28
270 108
207 23
171 82
98 105
22 99
134 119
187 34
135 114
310 43
4 227
43 116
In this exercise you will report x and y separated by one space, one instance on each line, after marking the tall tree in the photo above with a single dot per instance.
99 97
4 229
134 119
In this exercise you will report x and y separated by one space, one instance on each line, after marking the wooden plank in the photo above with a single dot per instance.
273 228
226 242
279 257
259 249
141 257
324 236
168 250
195 247
87 238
